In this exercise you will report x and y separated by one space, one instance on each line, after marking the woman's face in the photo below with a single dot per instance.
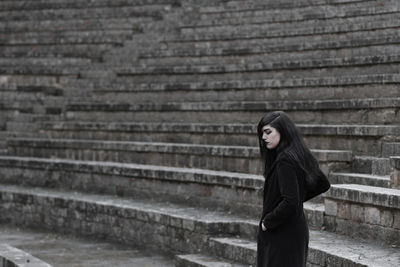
271 136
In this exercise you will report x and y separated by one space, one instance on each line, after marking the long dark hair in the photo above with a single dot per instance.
291 145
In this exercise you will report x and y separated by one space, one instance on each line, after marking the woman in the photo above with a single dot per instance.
292 176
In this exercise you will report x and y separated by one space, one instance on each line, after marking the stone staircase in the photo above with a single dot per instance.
136 121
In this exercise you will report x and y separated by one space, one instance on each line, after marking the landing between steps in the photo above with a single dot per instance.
66 250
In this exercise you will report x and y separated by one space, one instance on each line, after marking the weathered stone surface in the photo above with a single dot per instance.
395 175
13 257
267 66
371 165
357 178
107 216
363 212
60 13
35 5
376 196
67 250
303 13
225 83
228 158
196 260
211 189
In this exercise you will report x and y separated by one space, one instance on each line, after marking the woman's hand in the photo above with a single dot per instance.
263 227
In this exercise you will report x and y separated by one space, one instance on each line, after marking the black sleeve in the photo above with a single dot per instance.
289 190
320 186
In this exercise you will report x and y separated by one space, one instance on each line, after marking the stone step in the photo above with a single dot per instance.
235 84
11 82
371 165
304 34
254 58
66 250
43 61
28 104
358 111
71 37
233 5
214 157
153 11
197 187
255 45
11 256
43 66
92 51
160 226
367 212
321 88
35 118
286 71
361 139
57 4
76 24
391 148
359 178
298 14
150 224
290 68
325 249
197 260
17 90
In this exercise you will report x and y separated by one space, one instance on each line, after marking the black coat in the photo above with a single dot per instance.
285 242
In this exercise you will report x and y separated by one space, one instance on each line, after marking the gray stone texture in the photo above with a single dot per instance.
135 122
13 257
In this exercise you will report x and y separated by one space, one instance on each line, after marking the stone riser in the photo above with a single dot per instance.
122 84
91 37
306 13
295 72
370 213
287 28
222 56
33 5
76 24
307 32
371 165
70 71
83 13
275 23
232 5
359 145
233 159
110 218
242 193
178 160
128 93
375 233
215 46
162 185
363 179
391 148
102 220
92 51
364 116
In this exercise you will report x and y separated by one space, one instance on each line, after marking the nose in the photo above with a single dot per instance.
264 136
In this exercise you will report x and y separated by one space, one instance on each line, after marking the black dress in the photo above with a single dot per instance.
285 242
